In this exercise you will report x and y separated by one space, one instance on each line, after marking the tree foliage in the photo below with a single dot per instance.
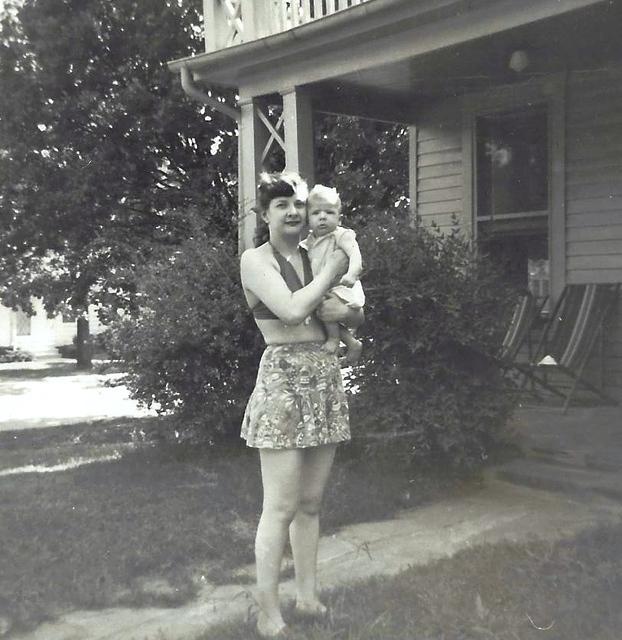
101 153
366 161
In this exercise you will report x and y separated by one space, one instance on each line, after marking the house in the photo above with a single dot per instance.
39 334
514 112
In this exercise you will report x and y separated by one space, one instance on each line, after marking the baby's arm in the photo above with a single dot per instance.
347 242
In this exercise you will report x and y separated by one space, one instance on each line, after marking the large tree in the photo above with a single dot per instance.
101 154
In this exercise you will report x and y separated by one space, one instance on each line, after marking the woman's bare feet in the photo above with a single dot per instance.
269 627
311 608
270 623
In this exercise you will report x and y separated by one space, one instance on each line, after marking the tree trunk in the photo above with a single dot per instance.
83 344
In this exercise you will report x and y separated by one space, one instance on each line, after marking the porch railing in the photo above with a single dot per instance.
231 22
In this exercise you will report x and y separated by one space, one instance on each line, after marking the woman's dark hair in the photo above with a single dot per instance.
271 186
262 233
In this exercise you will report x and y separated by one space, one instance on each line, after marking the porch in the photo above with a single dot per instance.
474 83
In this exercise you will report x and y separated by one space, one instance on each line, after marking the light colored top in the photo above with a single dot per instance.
320 247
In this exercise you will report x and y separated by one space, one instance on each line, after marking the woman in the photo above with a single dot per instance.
297 412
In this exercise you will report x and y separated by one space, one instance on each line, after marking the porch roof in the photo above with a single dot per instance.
363 40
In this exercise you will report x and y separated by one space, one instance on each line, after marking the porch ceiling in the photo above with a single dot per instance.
396 89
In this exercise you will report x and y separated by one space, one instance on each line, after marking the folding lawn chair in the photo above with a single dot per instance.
525 313
569 338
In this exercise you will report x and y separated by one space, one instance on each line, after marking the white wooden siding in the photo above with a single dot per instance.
439 191
594 196
46 333
593 189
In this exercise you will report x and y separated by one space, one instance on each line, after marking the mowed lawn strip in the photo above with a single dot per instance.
91 537
569 590
152 527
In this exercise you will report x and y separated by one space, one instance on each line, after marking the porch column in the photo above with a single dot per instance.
298 127
413 190
253 137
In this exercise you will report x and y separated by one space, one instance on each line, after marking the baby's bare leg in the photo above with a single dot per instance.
354 346
333 332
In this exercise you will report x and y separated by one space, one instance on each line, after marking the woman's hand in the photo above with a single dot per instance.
334 310
337 264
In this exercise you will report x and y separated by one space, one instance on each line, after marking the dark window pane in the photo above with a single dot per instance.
512 162
523 259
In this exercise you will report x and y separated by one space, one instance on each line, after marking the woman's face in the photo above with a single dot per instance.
287 215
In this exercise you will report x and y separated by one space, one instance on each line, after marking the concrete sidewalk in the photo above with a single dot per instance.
495 512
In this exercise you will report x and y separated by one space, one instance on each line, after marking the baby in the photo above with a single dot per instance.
325 235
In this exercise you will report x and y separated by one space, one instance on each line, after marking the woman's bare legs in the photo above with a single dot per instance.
304 529
293 484
281 473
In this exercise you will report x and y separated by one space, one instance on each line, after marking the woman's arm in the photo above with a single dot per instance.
260 275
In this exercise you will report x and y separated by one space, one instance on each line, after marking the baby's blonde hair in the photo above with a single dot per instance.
328 194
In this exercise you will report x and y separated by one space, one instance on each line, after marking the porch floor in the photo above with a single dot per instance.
579 452
586 436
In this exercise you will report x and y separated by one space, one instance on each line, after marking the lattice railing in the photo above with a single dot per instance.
231 22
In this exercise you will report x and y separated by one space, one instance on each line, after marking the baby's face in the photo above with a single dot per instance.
323 216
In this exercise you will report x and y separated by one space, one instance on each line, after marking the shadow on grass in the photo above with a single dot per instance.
90 432
30 371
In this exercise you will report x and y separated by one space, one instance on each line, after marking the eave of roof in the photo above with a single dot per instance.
383 23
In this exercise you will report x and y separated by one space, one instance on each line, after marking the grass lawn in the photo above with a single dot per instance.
151 527
571 590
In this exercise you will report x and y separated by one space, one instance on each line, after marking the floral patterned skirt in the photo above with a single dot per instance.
298 400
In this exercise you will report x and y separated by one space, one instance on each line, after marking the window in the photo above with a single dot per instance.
23 323
512 164
512 194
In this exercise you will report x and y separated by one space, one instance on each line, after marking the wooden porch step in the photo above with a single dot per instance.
562 477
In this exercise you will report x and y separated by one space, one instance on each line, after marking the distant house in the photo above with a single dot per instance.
38 334
514 110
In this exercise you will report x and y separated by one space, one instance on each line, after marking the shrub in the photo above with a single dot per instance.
435 314
193 348
14 354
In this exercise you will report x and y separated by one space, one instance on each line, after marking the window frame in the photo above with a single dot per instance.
548 91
